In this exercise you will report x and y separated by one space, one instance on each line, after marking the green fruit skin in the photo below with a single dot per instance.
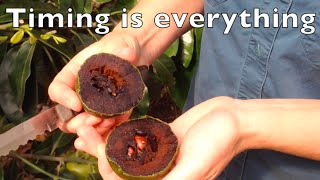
98 114
116 168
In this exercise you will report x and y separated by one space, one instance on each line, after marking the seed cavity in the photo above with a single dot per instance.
105 79
143 147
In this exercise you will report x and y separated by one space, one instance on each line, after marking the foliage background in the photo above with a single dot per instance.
29 60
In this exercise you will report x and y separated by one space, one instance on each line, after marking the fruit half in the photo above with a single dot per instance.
108 85
144 148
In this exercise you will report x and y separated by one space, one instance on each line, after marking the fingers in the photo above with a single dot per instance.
103 165
104 127
89 140
82 119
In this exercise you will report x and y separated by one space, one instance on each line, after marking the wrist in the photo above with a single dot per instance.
246 128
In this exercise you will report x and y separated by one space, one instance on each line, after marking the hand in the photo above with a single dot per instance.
61 90
209 137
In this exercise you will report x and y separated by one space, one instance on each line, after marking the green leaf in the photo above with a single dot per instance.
63 49
21 69
82 40
187 45
173 49
129 4
183 75
15 70
30 100
198 37
60 139
64 4
88 6
142 108
164 69
17 37
78 5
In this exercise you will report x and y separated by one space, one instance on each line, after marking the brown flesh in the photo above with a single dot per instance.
109 85
159 151
104 78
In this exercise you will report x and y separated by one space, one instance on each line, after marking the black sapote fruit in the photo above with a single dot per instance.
108 85
144 148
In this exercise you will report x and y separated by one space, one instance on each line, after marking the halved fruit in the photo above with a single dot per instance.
108 85
144 148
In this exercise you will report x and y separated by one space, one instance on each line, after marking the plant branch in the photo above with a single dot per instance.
37 168
58 159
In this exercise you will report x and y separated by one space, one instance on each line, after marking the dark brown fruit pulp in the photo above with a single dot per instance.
109 85
105 79
142 147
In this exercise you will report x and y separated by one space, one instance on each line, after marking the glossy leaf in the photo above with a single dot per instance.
184 75
60 139
129 4
15 70
143 106
17 37
21 69
31 100
82 40
88 6
63 49
198 37
164 69
187 44
64 4
78 5
173 49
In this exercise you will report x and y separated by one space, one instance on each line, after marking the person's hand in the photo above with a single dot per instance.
61 90
209 136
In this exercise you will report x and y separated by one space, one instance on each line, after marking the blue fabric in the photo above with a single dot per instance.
260 63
